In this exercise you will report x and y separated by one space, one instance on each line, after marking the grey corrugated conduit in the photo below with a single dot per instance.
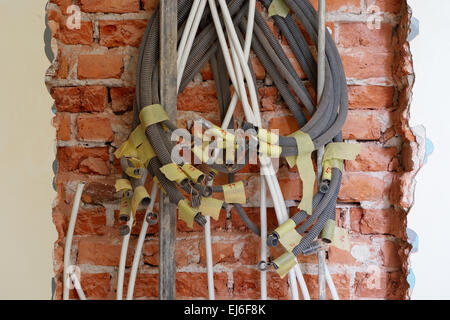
322 123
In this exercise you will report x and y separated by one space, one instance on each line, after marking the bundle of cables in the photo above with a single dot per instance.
225 38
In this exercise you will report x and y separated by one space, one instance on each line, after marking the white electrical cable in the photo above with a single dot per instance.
268 172
209 257
77 285
123 260
263 222
330 283
190 41
140 244
69 237
187 30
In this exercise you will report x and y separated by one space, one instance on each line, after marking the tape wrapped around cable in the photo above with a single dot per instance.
324 123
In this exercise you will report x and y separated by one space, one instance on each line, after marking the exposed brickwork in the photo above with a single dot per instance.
93 80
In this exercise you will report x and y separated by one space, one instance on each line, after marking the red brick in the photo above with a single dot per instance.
365 63
111 6
62 4
90 221
192 285
146 285
390 254
99 193
357 34
95 166
378 221
350 6
62 124
100 66
101 253
116 33
150 5
362 125
341 281
358 187
393 7
67 99
199 98
370 97
381 285
338 256
82 35
223 252
285 125
94 98
187 252
122 98
94 128
246 283
69 158
268 98
374 157
95 285
254 215
80 99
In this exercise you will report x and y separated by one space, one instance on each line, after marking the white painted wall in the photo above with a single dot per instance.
27 148
430 216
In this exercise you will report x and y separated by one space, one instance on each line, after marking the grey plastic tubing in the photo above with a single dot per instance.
324 124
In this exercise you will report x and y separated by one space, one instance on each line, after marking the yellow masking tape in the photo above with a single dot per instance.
126 150
335 154
134 172
305 168
235 193
290 240
192 172
341 239
155 180
186 213
268 137
153 114
140 193
173 172
328 230
285 263
211 207
125 207
199 153
145 152
123 185
279 8
137 137
219 132
270 150
230 151
285 227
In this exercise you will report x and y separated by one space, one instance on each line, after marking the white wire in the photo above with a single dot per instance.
190 41
263 222
209 256
69 237
123 259
330 283
187 30
140 244
268 171
77 285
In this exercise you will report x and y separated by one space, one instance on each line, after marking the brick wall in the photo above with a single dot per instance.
92 81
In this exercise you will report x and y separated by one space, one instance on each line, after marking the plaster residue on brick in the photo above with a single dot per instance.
92 81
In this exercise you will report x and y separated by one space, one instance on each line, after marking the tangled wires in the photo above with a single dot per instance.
202 39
